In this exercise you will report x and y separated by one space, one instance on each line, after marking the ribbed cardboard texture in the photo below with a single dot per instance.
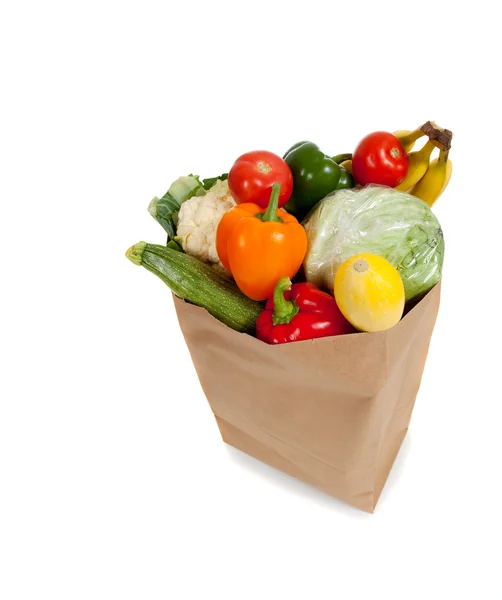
332 412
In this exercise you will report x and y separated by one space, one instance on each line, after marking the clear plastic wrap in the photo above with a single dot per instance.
379 220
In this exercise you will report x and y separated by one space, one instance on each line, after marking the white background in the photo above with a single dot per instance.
114 482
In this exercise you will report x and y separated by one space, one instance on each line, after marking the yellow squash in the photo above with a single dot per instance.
370 292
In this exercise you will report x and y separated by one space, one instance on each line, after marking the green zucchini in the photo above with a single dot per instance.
200 284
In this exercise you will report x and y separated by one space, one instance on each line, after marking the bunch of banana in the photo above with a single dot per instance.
425 179
428 179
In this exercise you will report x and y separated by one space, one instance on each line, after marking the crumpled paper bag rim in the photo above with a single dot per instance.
328 339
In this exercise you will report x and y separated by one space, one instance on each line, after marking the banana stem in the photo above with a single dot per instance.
439 135
428 148
443 155
412 137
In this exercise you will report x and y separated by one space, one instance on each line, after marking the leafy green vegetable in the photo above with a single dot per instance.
174 246
208 183
165 210
379 220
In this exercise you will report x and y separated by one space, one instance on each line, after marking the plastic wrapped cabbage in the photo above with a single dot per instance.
379 220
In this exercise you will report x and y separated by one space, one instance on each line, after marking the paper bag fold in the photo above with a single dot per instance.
332 412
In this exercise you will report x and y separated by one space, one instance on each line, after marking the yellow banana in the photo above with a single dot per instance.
347 165
419 163
435 180
408 138
449 168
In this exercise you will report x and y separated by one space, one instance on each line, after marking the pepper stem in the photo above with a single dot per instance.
273 204
284 310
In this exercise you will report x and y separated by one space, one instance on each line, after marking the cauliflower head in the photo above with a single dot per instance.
198 219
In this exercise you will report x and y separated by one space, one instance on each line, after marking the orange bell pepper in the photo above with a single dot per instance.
259 247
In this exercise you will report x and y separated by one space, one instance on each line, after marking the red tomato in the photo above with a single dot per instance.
253 174
380 158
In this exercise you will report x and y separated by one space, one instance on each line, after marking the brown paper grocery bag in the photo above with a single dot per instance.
332 412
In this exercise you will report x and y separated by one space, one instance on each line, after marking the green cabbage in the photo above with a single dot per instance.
379 220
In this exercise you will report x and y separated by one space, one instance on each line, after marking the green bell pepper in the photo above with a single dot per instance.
346 180
315 175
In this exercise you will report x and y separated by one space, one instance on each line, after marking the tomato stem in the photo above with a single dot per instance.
263 167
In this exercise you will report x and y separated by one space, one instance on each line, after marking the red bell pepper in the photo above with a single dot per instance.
300 312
